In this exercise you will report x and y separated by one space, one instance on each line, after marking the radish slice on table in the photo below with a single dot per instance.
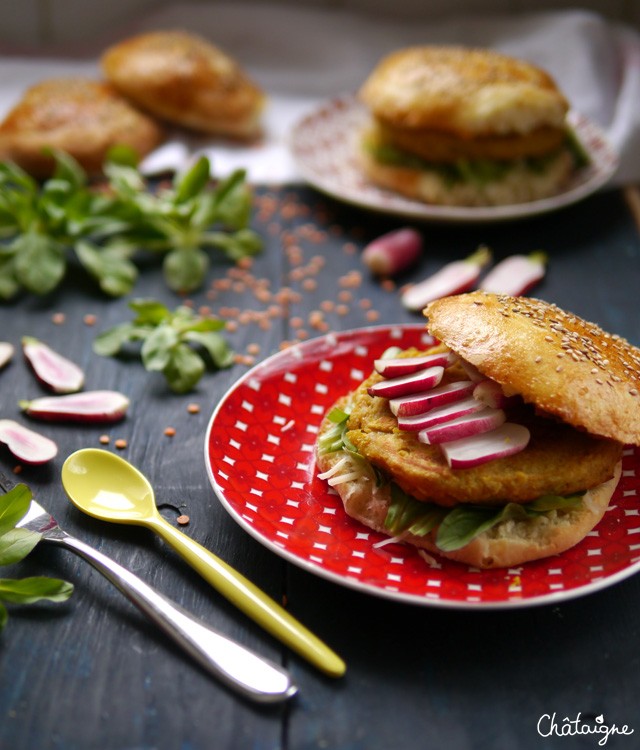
484 420
506 440
516 274
88 406
393 252
416 381
392 368
453 278
6 353
441 414
25 444
52 370
418 403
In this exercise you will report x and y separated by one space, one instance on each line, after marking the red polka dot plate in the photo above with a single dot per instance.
259 453
324 146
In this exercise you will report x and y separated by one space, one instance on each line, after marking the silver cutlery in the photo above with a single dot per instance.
253 676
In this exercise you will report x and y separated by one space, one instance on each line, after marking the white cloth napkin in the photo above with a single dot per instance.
302 56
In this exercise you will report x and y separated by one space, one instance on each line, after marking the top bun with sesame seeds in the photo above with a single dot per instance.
564 365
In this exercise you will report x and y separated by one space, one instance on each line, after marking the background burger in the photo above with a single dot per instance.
500 445
466 127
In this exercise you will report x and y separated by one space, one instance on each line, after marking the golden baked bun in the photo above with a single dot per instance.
465 127
82 117
566 366
470 92
185 80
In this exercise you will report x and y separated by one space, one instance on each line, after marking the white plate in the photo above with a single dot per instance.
324 146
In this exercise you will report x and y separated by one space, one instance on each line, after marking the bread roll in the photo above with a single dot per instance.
185 80
82 117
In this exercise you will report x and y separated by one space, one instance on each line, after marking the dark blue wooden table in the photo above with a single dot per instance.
92 673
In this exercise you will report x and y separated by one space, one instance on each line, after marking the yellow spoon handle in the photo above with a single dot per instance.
251 600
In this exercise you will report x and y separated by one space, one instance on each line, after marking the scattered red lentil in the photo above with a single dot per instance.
183 520
58 318
193 408
17 469
90 319
104 439
169 431
120 443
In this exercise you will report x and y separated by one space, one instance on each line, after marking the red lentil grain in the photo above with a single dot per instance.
120 443
169 431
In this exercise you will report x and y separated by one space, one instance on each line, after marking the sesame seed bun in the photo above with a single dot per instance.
470 92
564 365
184 79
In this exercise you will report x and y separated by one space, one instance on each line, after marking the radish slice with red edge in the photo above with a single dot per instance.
440 414
402 386
394 367
6 353
53 371
478 422
88 406
25 444
393 252
516 274
453 278
419 403
506 440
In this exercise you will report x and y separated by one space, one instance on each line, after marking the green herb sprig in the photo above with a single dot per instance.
15 544
43 225
179 343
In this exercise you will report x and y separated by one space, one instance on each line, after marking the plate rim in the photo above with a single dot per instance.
517 602
408 208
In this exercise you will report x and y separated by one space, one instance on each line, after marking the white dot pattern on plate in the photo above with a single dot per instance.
262 467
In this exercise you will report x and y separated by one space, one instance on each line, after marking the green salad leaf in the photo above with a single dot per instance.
178 343
458 526
43 226
15 545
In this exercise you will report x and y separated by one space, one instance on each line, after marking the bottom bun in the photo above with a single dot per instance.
520 184
507 544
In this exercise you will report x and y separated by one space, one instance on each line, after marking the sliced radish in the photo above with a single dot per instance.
491 394
52 370
25 444
88 406
453 278
393 252
418 403
446 413
6 353
461 427
516 274
416 381
392 368
506 440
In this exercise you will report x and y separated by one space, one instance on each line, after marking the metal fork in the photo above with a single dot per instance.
238 667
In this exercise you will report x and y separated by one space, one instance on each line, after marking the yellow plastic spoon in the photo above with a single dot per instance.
106 486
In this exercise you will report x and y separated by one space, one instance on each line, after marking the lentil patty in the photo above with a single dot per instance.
558 460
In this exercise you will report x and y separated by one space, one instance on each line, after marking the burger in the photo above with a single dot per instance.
500 444
466 127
